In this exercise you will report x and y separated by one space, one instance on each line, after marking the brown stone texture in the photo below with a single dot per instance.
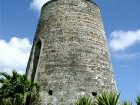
69 55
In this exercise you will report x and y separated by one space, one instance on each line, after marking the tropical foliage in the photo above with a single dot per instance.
138 100
15 88
126 103
84 100
107 98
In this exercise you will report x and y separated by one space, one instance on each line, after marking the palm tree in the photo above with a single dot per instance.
32 92
126 103
84 100
107 98
138 100
4 90
16 87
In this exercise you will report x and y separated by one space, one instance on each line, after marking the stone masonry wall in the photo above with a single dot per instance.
74 58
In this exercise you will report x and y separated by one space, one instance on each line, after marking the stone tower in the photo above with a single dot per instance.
69 56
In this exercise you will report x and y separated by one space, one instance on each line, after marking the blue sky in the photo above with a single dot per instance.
121 18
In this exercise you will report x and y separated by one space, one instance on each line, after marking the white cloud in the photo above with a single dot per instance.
37 4
14 54
121 40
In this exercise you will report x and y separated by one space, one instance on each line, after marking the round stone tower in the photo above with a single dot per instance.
69 56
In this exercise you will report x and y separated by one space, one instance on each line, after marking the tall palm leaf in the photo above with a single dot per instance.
84 100
126 103
107 98
138 100
5 75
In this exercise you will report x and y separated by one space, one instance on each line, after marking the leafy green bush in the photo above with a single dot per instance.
107 98
138 100
126 103
15 88
84 100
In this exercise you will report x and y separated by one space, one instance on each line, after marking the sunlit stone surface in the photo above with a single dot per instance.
69 56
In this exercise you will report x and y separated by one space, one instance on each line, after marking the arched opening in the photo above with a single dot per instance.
36 58
35 63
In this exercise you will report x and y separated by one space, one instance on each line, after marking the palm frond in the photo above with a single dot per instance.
107 98
138 100
2 80
16 86
84 100
126 103
5 75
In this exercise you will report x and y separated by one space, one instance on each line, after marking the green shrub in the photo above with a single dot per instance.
107 98
84 100
138 100
126 103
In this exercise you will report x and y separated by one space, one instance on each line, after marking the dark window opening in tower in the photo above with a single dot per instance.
50 92
36 58
94 94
